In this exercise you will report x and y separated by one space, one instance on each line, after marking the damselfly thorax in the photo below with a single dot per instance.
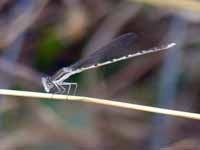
119 49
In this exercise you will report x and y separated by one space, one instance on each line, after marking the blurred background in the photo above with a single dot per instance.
38 37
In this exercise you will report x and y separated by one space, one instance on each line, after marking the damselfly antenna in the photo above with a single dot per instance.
119 49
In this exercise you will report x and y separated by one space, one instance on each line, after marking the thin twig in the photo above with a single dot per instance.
175 113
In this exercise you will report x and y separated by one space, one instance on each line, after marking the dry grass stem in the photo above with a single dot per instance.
175 113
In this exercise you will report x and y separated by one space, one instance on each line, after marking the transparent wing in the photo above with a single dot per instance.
117 48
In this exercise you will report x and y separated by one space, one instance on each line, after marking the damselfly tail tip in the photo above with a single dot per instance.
171 45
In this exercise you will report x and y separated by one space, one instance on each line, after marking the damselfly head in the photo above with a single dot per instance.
47 84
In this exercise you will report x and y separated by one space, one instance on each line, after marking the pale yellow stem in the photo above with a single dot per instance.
175 113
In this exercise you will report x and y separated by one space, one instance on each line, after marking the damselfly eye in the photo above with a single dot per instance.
47 84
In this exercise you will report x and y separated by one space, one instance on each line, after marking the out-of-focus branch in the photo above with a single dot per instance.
190 5
112 24
175 113
19 71
22 21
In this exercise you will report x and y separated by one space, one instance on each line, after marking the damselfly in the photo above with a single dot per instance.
119 49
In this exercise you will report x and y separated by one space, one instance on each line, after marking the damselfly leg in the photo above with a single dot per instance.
69 87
